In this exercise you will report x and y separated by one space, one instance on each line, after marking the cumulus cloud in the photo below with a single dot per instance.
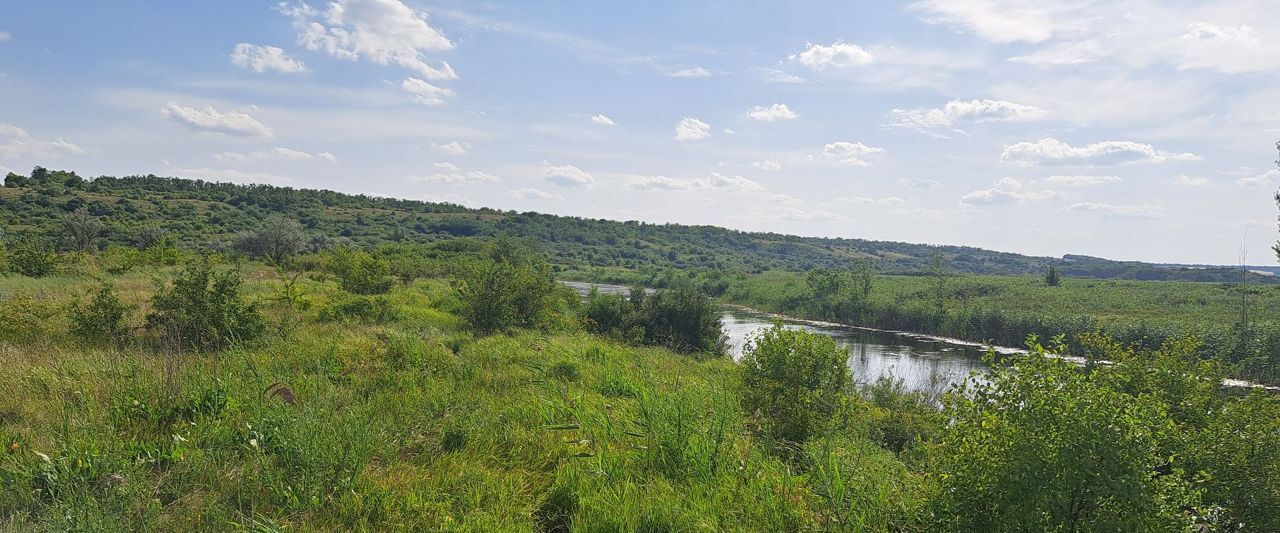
919 183
1115 211
568 176
695 72
452 148
16 143
264 58
888 201
278 153
1082 181
450 173
714 181
812 215
530 193
210 119
1184 180
958 111
767 164
835 55
771 113
1049 151
849 153
602 120
692 129
773 75
1006 191
425 93
386 32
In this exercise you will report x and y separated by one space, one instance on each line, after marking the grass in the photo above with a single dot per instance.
410 424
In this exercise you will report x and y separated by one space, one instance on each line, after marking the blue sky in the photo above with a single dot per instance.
1124 129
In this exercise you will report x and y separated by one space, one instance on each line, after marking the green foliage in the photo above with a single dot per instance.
359 272
794 381
276 240
202 309
32 258
120 259
361 309
511 288
1044 446
104 318
1051 277
80 230
839 295
681 319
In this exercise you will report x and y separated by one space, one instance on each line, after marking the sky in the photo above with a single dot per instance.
1133 130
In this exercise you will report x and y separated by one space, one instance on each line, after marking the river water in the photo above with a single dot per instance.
922 363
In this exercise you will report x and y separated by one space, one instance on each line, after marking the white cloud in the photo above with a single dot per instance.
279 152
771 113
5 36
888 201
692 129
1115 211
568 176
956 111
695 72
451 174
210 119
448 198
786 199
848 153
530 193
998 21
767 164
232 175
16 143
714 181
836 55
919 183
1006 191
425 93
773 75
1064 54
1049 151
602 120
1191 181
818 215
452 148
383 31
1266 178
263 58
1082 181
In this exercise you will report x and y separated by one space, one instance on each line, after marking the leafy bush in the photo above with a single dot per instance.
26 317
120 259
363 309
32 258
794 381
359 272
276 240
682 319
103 318
203 309
510 288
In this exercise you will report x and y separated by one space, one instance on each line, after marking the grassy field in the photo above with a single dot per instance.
412 424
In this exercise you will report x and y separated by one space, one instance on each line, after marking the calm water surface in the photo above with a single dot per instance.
922 364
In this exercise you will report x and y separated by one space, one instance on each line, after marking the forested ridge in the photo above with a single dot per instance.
207 215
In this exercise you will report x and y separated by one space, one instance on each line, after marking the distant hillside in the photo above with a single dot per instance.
207 215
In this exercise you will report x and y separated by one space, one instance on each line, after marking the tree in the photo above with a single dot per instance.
360 272
276 240
80 230
1051 277
15 180
150 236
511 287
32 258
938 271
1277 246
203 309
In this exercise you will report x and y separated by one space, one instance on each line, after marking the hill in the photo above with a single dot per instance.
208 215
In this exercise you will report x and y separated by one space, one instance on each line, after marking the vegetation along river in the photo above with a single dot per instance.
922 363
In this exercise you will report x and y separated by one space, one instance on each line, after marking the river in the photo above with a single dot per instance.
922 363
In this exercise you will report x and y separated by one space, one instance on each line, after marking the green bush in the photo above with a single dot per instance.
794 381
363 309
104 318
682 319
359 272
510 288
32 258
203 309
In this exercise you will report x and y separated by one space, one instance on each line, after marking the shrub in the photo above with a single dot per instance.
364 309
103 318
120 259
359 272
203 309
33 258
511 288
25 317
275 241
794 381
684 320
80 230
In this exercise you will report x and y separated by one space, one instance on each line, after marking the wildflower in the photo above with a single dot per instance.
13 448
